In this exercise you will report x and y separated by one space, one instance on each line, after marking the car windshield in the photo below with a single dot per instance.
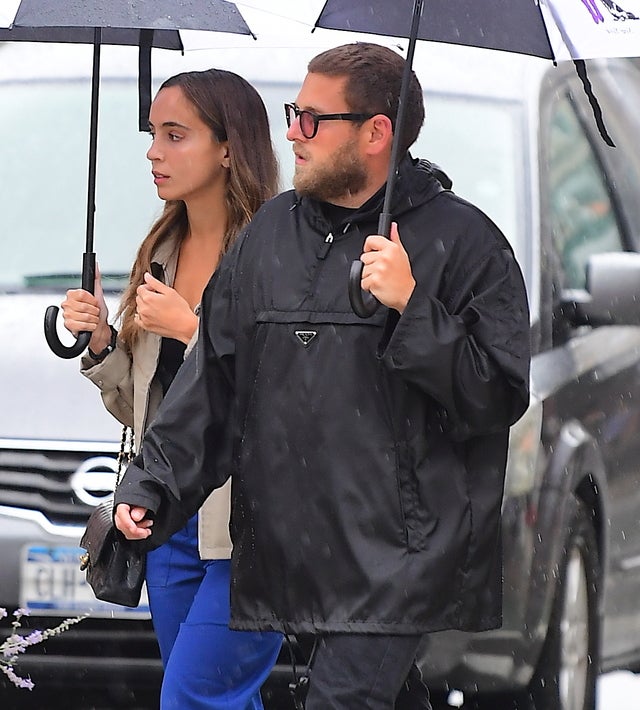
44 157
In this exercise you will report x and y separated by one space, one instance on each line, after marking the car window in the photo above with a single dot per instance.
583 218
619 99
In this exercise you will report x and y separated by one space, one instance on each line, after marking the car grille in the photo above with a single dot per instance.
94 652
38 476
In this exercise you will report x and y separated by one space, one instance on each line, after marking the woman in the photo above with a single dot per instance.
214 169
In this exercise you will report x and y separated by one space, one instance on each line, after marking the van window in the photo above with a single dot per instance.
43 173
43 170
479 143
582 215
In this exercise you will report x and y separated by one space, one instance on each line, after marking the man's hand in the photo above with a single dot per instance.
131 521
387 271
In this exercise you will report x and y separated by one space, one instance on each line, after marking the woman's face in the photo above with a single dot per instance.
187 162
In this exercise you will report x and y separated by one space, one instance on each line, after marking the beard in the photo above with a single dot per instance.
341 174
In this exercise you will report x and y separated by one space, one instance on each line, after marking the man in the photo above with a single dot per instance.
367 455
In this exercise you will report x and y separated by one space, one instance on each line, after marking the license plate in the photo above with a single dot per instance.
51 583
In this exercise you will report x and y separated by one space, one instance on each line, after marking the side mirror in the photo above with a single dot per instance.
612 295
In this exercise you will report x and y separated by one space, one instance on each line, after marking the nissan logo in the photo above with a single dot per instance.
95 475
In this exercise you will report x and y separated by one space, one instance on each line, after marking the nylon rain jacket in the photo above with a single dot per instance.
367 455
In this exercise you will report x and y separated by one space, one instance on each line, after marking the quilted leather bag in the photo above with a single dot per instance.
115 566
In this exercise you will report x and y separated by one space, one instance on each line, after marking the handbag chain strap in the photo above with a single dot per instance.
126 453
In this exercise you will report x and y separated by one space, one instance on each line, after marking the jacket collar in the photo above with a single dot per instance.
167 254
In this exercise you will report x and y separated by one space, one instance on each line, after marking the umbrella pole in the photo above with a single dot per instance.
384 223
364 304
93 150
89 257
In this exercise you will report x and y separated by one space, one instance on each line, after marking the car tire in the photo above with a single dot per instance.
565 678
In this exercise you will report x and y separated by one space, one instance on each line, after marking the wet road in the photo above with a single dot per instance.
619 690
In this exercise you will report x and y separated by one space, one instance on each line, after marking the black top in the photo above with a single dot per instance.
171 357
337 216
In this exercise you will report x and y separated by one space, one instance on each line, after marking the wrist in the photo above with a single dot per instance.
108 348
100 337
191 326
407 297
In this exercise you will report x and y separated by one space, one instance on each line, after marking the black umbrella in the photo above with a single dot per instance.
142 23
510 25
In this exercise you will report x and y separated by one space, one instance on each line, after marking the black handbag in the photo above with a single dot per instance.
115 566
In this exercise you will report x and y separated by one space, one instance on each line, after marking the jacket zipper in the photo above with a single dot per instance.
322 255
328 241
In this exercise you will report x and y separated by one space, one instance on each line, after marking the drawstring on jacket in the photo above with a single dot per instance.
300 685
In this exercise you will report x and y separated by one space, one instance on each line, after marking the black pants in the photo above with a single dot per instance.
353 671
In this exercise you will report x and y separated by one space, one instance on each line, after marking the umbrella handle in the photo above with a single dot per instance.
362 302
365 304
54 342
51 316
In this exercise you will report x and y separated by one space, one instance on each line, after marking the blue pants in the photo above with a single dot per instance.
207 666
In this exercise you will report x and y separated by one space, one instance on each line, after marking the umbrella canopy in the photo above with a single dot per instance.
550 29
509 25
142 23
121 20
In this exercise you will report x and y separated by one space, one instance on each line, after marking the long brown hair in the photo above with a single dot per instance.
234 111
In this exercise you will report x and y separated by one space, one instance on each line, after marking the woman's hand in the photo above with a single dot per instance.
132 522
160 309
83 311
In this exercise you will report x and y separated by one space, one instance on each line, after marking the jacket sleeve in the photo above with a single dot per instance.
186 452
471 355
114 378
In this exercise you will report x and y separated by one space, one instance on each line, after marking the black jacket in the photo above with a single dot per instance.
367 456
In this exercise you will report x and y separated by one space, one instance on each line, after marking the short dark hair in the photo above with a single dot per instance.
374 77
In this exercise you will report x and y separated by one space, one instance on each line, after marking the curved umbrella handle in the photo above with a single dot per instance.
365 304
362 302
54 342
51 315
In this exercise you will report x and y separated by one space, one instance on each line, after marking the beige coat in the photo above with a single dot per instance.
131 393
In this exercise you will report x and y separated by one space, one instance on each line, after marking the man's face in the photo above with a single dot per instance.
330 166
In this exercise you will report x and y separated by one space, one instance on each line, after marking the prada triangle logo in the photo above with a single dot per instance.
306 336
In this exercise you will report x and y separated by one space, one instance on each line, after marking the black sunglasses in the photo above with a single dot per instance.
309 121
